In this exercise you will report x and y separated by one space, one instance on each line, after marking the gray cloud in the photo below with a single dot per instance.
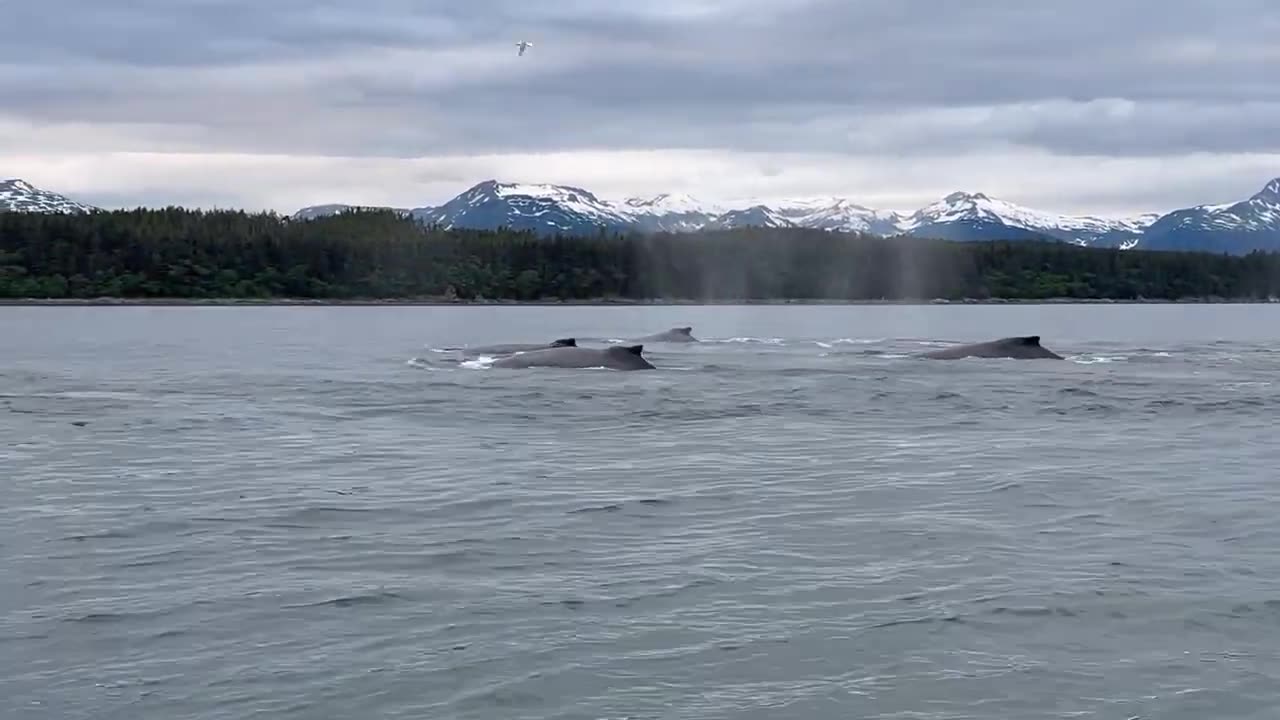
406 78
187 33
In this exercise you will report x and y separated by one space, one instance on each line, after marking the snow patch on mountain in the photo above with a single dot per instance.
962 206
1259 213
672 204
527 206
669 212
316 211
838 214
17 195
752 216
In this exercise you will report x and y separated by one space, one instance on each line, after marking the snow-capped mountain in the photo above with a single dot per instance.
822 213
838 214
974 216
670 213
540 207
17 195
316 211
751 216
1234 227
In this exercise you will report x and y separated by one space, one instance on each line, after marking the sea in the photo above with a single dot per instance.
323 512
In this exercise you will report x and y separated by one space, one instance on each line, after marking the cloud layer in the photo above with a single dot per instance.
1115 106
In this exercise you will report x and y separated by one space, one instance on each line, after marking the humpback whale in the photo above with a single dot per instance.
1025 347
674 335
512 348
617 357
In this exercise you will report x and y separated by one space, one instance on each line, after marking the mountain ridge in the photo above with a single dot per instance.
961 216
521 203
545 208
18 195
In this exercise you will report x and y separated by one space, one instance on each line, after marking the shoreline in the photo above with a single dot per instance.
599 302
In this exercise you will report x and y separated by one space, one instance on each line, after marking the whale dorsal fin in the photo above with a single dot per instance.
683 330
565 342
633 349
1021 341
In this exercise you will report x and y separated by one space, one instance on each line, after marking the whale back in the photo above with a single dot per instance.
672 335
616 357
1022 347
513 348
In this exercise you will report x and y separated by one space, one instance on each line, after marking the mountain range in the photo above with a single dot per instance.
1239 227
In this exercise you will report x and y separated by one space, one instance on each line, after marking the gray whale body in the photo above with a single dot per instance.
618 357
676 335
512 348
1026 347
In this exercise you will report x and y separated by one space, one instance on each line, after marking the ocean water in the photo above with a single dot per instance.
311 513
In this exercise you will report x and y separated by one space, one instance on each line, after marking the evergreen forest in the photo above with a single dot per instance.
178 253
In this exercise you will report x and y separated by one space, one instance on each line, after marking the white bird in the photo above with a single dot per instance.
523 45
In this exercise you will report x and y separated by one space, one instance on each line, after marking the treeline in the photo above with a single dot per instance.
182 253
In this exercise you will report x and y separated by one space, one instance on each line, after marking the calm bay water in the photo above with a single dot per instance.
308 513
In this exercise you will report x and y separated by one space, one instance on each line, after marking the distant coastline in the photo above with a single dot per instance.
601 302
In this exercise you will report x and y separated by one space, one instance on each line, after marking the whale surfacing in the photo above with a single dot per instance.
512 348
674 335
1025 347
618 357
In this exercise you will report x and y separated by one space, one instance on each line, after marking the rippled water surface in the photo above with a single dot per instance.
310 513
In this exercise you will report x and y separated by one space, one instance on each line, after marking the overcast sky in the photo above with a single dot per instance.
1105 106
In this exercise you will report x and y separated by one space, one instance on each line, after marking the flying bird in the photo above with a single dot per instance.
523 45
